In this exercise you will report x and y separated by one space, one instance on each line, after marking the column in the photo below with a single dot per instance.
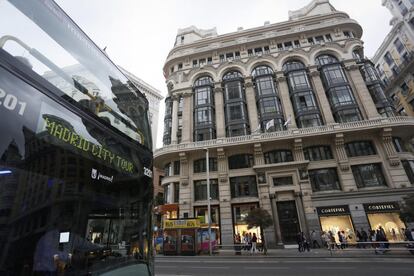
276 220
174 119
187 117
251 104
226 222
285 98
325 107
219 108
362 91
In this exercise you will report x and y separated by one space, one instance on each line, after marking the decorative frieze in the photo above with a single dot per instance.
340 152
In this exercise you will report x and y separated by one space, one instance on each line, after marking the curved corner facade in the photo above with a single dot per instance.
295 121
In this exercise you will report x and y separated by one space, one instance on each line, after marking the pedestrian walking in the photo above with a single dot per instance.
305 243
254 242
314 240
299 241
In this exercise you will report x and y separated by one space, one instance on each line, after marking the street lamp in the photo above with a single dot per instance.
208 202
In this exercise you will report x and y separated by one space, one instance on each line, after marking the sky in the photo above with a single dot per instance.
139 34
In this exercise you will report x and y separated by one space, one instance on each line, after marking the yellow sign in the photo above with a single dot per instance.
181 223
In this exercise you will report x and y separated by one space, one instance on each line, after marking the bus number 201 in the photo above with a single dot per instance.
10 102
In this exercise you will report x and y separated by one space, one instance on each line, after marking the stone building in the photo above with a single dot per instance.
394 59
294 121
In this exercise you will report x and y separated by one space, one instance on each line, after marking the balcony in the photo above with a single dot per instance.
288 134
404 68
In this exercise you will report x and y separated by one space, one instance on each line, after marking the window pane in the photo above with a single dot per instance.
324 180
369 175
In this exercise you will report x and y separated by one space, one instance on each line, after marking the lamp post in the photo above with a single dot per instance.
208 202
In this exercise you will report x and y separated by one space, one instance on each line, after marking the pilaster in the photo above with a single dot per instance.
362 90
187 117
185 187
344 173
219 109
298 154
226 222
285 98
174 127
324 106
251 103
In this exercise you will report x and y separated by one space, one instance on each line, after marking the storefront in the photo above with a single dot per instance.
386 215
180 236
337 219
240 212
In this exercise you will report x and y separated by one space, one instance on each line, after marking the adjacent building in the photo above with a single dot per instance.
394 59
294 120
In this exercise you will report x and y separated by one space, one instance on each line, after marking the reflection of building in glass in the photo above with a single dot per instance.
153 96
88 92
294 120
394 59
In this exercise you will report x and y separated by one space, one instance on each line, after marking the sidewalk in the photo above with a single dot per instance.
314 253
322 253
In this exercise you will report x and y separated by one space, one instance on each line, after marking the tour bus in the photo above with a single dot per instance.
75 152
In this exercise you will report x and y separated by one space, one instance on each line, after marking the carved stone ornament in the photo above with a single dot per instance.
315 73
217 89
394 161
280 78
351 67
344 166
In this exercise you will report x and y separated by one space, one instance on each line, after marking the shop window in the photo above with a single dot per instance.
360 148
243 186
240 161
390 222
324 180
278 156
338 223
368 175
200 165
409 169
282 181
317 153
240 213
200 189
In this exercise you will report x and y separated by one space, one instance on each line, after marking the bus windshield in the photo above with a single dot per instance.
40 35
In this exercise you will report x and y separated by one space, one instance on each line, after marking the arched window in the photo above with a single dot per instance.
235 107
204 112
167 121
342 101
303 98
267 99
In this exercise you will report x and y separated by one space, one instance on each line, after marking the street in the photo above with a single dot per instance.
258 265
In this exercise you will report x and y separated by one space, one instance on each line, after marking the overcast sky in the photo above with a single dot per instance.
139 34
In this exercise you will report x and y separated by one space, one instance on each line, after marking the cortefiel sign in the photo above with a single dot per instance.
333 210
381 207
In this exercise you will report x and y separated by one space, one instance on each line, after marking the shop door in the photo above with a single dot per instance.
288 220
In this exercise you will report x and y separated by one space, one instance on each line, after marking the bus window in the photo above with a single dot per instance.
41 36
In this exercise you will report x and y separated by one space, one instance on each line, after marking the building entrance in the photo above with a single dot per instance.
288 220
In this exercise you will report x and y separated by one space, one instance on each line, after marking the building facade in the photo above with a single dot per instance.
294 121
394 59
